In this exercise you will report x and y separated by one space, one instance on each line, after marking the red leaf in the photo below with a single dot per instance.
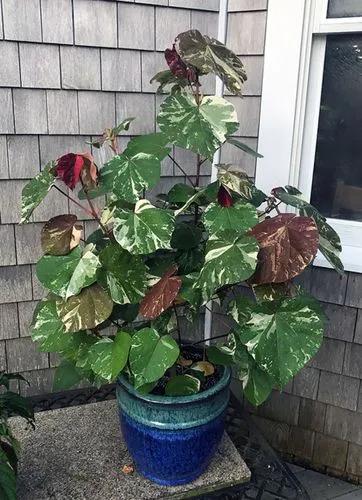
177 66
288 243
72 166
161 295
224 197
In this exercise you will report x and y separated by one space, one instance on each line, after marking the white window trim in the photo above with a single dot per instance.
292 84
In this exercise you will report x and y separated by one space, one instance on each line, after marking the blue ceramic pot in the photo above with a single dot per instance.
173 439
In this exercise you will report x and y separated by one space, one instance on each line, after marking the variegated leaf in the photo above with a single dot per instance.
36 190
61 234
145 230
239 218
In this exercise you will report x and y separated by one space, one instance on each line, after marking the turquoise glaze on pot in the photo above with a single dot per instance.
172 439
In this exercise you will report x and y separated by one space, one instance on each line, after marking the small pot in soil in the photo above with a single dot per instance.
173 439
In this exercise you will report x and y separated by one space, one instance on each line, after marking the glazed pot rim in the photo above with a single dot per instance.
154 398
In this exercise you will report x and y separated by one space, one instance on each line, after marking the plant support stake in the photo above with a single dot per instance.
219 91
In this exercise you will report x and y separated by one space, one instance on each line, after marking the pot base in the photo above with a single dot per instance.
172 457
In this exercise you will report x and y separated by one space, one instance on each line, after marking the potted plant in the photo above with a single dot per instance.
117 298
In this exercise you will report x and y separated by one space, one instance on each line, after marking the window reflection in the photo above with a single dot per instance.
344 8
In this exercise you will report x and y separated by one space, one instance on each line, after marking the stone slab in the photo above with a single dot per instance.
78 453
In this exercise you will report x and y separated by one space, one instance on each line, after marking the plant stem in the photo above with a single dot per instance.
182 170
73 200
178 325
210 338
94 211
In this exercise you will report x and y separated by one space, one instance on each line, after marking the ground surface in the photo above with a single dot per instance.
323 487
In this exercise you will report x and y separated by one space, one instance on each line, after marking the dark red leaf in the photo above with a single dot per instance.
61 234
177 66
72 166
288 243
161 295
224 197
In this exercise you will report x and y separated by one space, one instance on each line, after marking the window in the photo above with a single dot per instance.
311 114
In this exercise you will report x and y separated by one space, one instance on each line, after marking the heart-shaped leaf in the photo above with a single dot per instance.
47 329
108 357
283 337
166 78
182 385
151 355
125 274
66 275
161 296
238 181
61 234
200 128
222 354
137 168
35 191
329 241
230 258
145 230
238 218
86 310
211 56
288 243
180 193
66 376
185 236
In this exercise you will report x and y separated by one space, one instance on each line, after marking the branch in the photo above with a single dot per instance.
182 170
210 338
94 211
73 200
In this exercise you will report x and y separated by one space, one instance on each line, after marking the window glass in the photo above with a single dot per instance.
337 179
344 8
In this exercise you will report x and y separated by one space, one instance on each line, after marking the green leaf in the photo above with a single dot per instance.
202 196
66 376
283 336
137 168
35 191
165 78
271 291
125 274
151 355
241 309
222 354
238 218
211 56
203 128
17 405
7 479
329 241
180 193
185 236
145 230
238 181
108 357
190 260
244 147
190 292
86 310
123 126
230 258
182 385
47 328
66 275
127 312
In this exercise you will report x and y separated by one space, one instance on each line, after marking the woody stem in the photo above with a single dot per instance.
74 201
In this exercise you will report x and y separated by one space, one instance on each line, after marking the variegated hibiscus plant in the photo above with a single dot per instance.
117 297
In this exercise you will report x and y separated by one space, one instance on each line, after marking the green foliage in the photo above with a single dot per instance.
11 404
115 300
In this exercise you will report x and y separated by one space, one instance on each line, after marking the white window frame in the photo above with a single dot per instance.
292 86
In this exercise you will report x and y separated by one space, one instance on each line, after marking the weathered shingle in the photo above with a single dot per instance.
330 356
3 362
7 245
188 160
354 460
96 112
248 111
245 5
344 424
254 66
169 23
52 147
354 290
28 248
353 360
301 442
312 414
282 407
25 311
246 33
235 156
9 328
40 381
9 68
130 18
121 70
328 286
38 290
358 332
151 2
57 21
23 355
6 115
53 204
10 200
23 153
30 111
4 170
141 106
95 23
205 22
15 284
306 383
152 63
62 112
22 20
200 4
80 68
338 390
341 321
330 452
39 65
